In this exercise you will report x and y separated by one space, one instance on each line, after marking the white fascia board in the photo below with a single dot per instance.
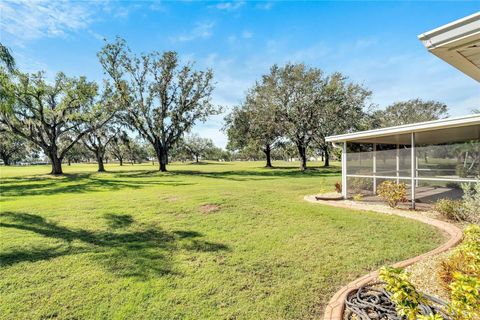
446 41
452 32
408 128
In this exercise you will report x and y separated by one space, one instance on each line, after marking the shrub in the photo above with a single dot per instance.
360 184
464 304
465 258
392 192
465 297
403 293
451 209
338 187
471 202
357 197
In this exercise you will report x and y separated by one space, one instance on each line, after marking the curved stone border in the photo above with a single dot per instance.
336 305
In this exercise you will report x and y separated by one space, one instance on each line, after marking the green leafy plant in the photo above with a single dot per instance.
392 192
403 293
360 184
464 259
451 209
471 202
357 197
431 316
465 297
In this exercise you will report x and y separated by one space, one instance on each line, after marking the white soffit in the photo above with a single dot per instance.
431 132
457 43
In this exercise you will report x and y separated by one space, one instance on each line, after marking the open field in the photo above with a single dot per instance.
210 241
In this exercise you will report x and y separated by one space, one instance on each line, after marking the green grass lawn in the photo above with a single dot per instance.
211 241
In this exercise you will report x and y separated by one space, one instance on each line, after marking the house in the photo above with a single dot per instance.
433 158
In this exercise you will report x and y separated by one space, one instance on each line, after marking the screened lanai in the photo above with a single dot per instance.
432 158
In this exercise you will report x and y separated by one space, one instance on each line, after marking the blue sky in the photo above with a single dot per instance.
374 43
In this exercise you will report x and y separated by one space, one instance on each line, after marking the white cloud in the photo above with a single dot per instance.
247 34
230 6
25 20
96 35
412 75
202 30
264 5
157 5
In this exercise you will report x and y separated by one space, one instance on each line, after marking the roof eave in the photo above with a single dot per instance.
406 129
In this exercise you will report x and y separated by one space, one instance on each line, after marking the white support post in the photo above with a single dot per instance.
344 170
413 159
398 163
416 170
374 168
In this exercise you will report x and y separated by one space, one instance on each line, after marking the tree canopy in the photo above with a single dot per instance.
52 116
296 103
255 123
12 148
411 111
163 99
197 147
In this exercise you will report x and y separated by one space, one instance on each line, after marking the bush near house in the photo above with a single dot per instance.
403 293
467 209
471 202
392 192
451 209
464 299
460 273
360 185
465 258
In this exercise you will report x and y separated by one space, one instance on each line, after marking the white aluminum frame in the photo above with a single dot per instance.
411 130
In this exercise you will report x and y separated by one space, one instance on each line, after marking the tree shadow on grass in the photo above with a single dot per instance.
136 179
144 252
260 173
75 183
117 221
264 173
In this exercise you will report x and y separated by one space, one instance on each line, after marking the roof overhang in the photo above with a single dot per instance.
457 43
449 130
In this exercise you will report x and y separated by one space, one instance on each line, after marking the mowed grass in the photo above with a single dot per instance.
208 241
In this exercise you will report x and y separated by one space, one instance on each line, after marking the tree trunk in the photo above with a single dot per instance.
56 164
302 152
121 161
196 158
6 160
69 162
268 156
163 160
327 157
101 167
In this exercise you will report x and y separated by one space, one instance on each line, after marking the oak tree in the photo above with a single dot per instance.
52 116
163 99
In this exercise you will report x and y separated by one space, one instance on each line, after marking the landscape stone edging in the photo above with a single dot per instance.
335 308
